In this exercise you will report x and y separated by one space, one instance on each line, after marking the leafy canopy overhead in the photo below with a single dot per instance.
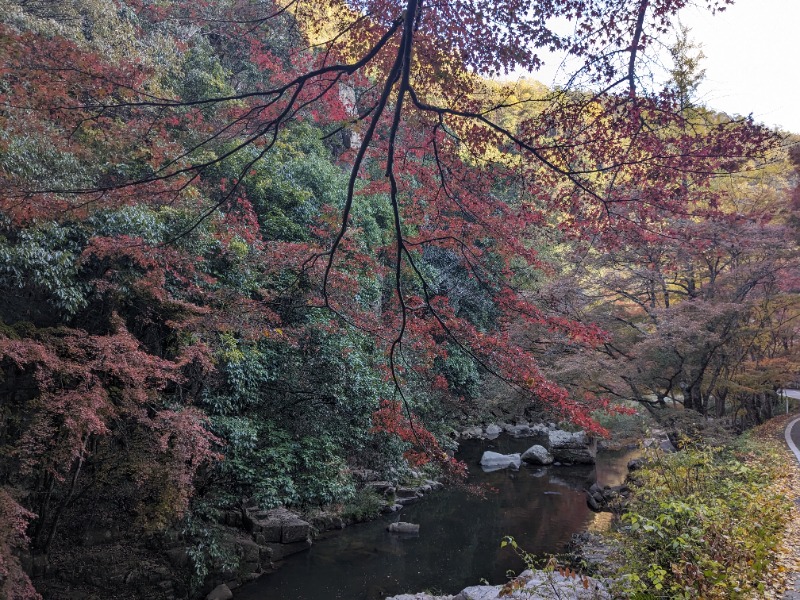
400 81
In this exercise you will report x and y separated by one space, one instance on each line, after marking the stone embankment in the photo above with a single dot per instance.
260 538
395 495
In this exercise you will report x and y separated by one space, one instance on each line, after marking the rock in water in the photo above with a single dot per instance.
491 461
221 592
403 527
493 431
567 439
472 432
520 430
567 447
537 455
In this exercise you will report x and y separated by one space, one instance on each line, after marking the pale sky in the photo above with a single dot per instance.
752 60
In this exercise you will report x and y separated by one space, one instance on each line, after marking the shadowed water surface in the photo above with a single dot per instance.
460 533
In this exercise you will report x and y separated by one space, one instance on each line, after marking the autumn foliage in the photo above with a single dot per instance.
231 231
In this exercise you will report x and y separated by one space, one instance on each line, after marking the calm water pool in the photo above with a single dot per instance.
460 534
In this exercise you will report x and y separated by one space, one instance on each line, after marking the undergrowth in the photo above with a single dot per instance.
365 505
704 522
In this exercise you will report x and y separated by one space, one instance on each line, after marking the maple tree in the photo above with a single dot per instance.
692 317
699 302
292 215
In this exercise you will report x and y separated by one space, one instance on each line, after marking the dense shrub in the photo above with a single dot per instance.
705 522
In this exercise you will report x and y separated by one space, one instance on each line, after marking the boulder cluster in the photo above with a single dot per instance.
552 446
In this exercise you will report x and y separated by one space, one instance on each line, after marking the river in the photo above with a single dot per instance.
460 533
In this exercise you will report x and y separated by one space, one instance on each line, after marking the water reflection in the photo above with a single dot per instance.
460 533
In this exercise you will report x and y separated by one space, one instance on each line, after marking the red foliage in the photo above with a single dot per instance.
392 419
14 582
94 387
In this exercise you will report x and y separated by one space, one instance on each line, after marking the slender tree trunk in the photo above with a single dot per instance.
721 397
65 502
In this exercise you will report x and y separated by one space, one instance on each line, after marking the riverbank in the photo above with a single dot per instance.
233 547
530 503
458 543
108 564
720 519
717 520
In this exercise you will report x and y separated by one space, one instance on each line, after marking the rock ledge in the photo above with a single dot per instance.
530 585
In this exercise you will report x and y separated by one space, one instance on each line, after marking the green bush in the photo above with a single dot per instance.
704 523
365 505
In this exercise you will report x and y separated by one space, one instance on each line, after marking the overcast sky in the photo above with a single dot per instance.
752 60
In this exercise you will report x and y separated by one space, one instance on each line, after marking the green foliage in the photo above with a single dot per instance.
203 75
206 549
293 415
288 185
366 504
470 298
35 159
135 221
44 261
461 371
372 218
704 523
274 468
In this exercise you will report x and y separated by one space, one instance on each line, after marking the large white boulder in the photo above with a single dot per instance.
491 461
221 592
480 592
572 447
567 439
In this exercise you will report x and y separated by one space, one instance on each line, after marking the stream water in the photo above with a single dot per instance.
460 533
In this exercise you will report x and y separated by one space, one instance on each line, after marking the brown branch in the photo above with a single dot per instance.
637 36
